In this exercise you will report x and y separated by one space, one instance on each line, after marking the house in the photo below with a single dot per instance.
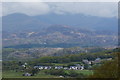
97 60
73 67
27 74
39 67
109 59
79 67
66 68
90 62
42 67
61 76
25 63
85 61
47 67
24 66
58 67
35 67
82 67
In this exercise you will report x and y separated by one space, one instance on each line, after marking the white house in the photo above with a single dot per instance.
85 61
73 67
97 60
82 67
58 67
66 68
27 74
47 67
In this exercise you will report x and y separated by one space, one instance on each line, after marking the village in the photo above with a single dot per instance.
76 67
72 67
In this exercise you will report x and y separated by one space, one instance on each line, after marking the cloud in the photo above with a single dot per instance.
0 9
91 8
30 8
102 9
59 0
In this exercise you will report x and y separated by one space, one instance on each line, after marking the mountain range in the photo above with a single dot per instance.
23 31
19 21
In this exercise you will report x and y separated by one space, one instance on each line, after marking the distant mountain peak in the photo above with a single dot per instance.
16 15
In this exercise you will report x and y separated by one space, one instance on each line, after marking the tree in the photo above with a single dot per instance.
34 71
108 70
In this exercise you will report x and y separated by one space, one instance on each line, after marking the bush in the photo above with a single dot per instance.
107 70
62 72
56 72
75 74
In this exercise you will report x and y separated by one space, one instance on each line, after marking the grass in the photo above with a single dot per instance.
0 69
13 74
65 64
41 74
85 72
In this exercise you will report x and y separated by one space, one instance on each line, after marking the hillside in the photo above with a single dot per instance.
34 53
18 22
59 36
22 31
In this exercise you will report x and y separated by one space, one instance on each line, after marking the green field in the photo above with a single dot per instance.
0 69
65 64
41 74
85 72
13 74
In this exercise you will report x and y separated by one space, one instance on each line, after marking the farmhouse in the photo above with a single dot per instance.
97 60
27 74
42 67
58 67
73 67
77 67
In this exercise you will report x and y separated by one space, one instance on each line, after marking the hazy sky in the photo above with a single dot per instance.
101 9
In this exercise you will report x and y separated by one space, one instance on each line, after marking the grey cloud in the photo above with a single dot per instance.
29 8
105 9
94 9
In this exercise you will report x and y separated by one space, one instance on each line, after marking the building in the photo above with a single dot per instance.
85 61
27 74
97 60
73 68
42 67
58 67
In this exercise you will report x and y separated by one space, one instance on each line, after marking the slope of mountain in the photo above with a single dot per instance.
58 36
22 31
33 53
18 22
81 21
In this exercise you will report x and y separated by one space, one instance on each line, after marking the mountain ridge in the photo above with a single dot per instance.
43 21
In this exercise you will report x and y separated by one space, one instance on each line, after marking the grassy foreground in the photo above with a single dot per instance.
41 74
13 74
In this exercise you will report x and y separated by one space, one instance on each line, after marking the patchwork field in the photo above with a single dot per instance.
41 74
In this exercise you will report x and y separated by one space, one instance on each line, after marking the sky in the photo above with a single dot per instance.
101 9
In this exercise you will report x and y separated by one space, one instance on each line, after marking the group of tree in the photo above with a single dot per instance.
110 69
73 58
64 73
